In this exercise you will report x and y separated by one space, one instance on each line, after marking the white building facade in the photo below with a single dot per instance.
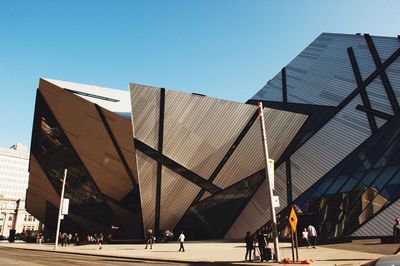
14 176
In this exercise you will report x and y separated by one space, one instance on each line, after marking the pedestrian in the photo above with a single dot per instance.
69 239
100 240
249 245
149 238
304 237
181 240
312 235
167 235
396 231
262 243
60 238
76 239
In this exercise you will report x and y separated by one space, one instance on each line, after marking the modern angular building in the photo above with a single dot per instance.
162 159
342 168
168 160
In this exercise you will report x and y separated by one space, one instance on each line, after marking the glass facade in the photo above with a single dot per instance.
212 217
359 187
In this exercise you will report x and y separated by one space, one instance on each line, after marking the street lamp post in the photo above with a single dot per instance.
60 209
269 179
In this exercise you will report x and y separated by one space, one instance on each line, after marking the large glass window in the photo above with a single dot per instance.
359 187
212 217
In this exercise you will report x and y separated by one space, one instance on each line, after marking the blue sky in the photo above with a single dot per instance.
222 48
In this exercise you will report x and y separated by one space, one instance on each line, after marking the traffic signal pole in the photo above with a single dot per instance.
269 179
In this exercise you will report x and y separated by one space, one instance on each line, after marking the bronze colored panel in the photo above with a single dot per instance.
255 215
39 191
145 102
87 134
147 169
198 130
177 193
123 132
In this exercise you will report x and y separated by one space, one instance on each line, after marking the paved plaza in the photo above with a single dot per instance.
346 254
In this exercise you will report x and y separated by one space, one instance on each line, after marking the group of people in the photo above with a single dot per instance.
259 242
39 238
150 238
309 236
67 238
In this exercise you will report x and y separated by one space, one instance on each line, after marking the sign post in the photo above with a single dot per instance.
293 224
269 176
60 210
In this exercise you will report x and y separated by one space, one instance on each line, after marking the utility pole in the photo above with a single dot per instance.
60 209
269 179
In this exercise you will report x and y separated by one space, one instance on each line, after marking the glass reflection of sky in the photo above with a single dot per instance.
126 115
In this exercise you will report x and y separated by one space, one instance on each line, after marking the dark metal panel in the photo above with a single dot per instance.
284 88
159 165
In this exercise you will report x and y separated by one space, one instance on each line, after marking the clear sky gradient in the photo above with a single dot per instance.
222 48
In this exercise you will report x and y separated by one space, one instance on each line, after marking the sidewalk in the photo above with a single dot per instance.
339 254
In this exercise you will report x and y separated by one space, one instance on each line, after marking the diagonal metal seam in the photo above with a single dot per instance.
363 93
115 143
159 165
284 87
228 154
383 75
312 111
369 79
374 112
175 167
361 87
355 92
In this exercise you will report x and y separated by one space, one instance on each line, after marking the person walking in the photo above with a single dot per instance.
69 240
76 239
249 245
312 235
181 240
304 237
100 239
149 238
